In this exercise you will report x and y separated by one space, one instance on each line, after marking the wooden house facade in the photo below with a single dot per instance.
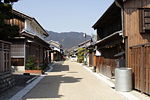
124 31
57 51
30 43
136 15
109 40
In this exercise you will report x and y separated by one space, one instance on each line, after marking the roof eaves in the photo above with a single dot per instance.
29 18
46 33
118 32
105 13
21 15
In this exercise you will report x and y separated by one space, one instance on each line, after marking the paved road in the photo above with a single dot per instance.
70 81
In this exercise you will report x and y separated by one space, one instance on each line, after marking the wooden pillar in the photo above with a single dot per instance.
9 54
142 70
2 56
127 53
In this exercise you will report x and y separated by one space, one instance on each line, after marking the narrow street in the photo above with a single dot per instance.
70 81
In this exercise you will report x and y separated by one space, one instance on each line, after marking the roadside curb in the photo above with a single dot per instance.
30 86
29 81
103 78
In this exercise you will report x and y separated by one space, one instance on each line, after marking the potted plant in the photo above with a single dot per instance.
31 66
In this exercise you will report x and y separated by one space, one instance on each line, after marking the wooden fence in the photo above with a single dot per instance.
6 80
106 66
5 57
139 61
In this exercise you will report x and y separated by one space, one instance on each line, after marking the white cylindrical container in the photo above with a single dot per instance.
123 80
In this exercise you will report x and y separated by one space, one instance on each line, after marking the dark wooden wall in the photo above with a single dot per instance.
106 66
6 79
4 57
35 51
16 21
111 23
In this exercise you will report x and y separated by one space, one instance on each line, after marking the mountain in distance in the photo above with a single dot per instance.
67 39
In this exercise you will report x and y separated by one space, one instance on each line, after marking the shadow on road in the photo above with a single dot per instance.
49 87
59 68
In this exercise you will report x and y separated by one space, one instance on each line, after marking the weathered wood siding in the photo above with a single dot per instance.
6 80
16 21
135 58
18 49
91 59
4 56
18 52
131 22
106 66
140 57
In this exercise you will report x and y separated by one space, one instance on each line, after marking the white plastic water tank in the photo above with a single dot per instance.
123 80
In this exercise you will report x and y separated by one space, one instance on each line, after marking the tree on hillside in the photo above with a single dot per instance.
7 31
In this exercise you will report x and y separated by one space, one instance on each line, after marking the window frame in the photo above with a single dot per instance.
142 23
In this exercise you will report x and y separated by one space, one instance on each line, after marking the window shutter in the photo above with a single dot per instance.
145 20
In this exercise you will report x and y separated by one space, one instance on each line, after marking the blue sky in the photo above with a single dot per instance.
65 15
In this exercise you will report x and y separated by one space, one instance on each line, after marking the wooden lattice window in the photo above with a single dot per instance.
145 20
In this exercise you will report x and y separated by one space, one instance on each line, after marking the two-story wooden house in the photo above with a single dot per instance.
136 21
30 42
124 31
109 40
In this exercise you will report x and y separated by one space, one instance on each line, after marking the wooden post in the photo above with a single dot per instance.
142 70
1 61
9 54
2 56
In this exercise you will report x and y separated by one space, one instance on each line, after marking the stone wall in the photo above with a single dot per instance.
6 81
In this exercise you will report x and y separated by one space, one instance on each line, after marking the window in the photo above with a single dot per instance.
145 20
17 61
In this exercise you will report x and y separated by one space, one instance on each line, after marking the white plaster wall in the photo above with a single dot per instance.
28 27
34 29
52 56
88 60
18 68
